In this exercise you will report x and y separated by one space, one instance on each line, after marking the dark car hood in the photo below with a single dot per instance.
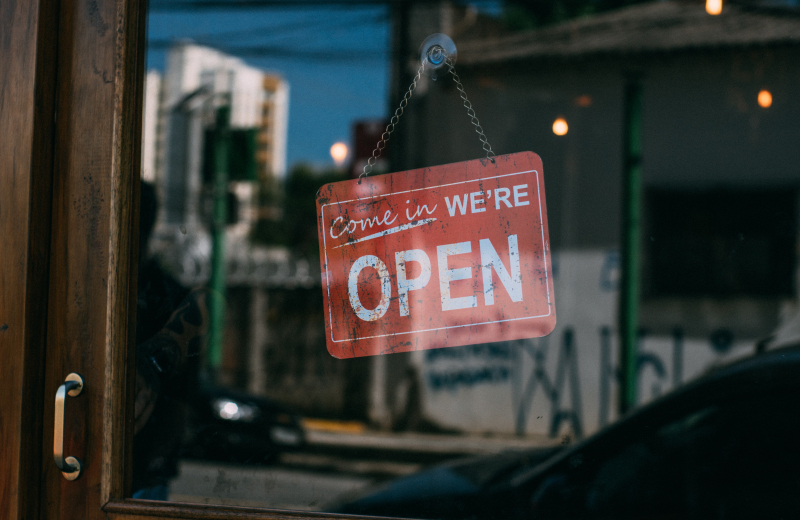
450 490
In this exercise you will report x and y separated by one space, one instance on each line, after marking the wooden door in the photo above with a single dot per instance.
95 123
70 121
27 77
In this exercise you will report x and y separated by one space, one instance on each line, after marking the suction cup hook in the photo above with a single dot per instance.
438 55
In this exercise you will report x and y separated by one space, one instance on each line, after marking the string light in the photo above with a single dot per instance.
713 7
765 99
560 126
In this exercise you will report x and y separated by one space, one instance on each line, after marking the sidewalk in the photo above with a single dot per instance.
353 441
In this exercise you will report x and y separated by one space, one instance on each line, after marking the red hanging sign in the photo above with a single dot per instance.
436 257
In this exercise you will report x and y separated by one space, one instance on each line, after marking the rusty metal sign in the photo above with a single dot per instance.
436 257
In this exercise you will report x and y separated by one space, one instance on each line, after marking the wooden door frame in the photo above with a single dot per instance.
74 71
27 93
99 62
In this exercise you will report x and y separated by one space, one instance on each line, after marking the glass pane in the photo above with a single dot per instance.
673 201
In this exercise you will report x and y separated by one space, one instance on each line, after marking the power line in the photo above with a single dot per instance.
282 29
196 5
285 49
249 51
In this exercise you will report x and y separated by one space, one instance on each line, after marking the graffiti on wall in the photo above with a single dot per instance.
494 367
567 380
525 367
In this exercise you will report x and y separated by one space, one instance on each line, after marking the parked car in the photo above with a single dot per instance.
236 426
724 446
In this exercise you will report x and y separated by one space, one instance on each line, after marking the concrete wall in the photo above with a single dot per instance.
565 382
702 129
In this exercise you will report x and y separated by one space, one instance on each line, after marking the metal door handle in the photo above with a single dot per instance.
70 466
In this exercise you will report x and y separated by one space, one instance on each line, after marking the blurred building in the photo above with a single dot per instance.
151 132
273 128
721 208
178 157
258 100
366 135
177 134
721 202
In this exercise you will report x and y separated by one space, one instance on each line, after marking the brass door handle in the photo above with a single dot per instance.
70 466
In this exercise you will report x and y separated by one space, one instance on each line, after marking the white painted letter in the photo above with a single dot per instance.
386 288
457 203
473 201
499 197
447 275
334 224
403 284
517 195
489 259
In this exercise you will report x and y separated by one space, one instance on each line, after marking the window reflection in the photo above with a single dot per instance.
249 112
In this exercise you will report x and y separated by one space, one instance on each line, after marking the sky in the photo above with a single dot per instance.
326 95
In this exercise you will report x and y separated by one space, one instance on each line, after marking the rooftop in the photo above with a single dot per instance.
640 29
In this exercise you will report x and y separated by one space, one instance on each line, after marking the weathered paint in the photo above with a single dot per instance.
483 224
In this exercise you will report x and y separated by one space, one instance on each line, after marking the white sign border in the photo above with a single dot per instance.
544 257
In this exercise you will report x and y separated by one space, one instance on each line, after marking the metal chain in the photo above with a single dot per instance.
471 113
376 153
390 127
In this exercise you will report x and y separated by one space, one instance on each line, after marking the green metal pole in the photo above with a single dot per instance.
217 283
630 254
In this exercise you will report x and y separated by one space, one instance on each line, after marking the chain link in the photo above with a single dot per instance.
390 127
471 113
376 153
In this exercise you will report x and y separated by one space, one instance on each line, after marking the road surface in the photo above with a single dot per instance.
331 469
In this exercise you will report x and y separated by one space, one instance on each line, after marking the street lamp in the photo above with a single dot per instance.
339 153
714 7
560 126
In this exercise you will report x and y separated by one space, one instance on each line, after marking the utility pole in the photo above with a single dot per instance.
222 139
400 78
630 254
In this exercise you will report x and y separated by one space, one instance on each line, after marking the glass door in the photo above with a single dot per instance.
177 150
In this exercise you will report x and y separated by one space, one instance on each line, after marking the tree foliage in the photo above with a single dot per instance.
297 226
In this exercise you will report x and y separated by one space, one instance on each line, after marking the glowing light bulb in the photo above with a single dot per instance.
560 126
765 99
339 153
713 7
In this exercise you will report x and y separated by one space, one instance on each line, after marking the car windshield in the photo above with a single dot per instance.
314 178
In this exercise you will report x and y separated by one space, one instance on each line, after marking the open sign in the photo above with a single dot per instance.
436 257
